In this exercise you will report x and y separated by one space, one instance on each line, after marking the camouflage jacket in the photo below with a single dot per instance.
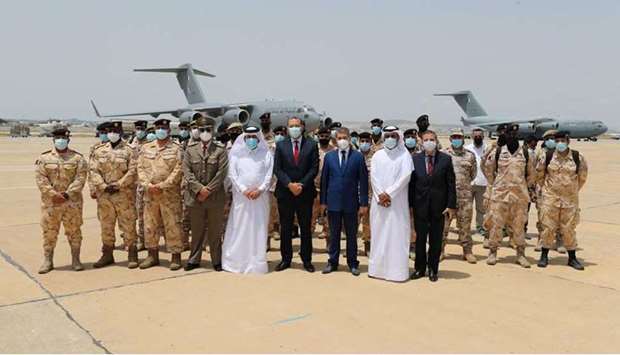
465 170
161 166
560 182
509 183
113 165
58 173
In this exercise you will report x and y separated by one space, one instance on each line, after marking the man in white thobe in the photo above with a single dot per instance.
250 169
390 223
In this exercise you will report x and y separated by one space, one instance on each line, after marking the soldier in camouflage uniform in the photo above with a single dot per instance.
136 143
325 146
411 143
365 148
113 175
501 141
511 173
562 172
160 174
60 176
465 169
279 134
265 126
185 138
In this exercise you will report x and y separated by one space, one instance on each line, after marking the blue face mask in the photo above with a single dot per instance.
410 142
279 138
103 137
390 143
376 130
161 133
364 147
354 140
184 133
561 146
294 132
457 143
140 134
251 143
61 143
550 143
151 137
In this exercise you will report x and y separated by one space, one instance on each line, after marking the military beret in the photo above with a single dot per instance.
279 129
162 122
335 125
550 133
422 118
365 135
140 124
376 121
456 132
410 131
61 131
234 125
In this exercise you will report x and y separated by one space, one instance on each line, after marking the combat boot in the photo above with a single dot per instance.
151 260
573 262
175 262
107 257
492 258
521 260
469 256
544 258
48 263
132 257
76 264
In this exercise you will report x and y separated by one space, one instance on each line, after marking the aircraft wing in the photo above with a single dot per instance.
175 112
507 122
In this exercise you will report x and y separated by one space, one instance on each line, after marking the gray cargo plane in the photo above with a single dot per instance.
247 113
478 117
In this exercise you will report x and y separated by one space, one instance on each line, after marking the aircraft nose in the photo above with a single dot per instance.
602 128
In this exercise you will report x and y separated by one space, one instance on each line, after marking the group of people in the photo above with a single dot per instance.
230 187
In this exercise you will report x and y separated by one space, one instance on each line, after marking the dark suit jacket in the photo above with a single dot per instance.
431 195
287 171
344 189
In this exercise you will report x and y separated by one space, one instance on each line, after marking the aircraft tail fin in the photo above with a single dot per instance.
468 103
186 76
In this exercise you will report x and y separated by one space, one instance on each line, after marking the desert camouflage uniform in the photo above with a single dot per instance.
465 169
162 167
115 166
273 205
540 154
509 195
136 145
560 184
58 173
316 207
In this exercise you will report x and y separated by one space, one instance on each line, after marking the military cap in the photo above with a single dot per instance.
376 121
279 129
422 118
184 124
234 125
513 128
354 134
140 124
265 115
116 124
251 129
323 130
561 134
61 131
365 135
162 122
550 133
502 127
457 132
390 129
204 121
103 125
335 125
410 131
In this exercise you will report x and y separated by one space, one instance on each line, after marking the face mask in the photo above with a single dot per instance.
61 143
224 138
512 143
410 142
550 143
390 143
161 133
364 147
323 141
140 134
561 146
195 133
429 146
205 136
501 140
354 140
251 143
376 130
151 137
184 133
294 132
103 137
114 137
279 138
478 141
457 143
343 144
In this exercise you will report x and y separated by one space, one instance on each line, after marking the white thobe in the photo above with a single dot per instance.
245 241
390 227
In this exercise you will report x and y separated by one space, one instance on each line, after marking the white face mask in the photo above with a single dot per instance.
429 146
205 136
114 137
343 144
195 133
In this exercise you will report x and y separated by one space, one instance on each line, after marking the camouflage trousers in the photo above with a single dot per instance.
70 215
117 207
559 219
511 216
318 219
140 211
163 210
464 215
186 223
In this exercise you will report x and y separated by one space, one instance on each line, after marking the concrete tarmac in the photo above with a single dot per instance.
473 308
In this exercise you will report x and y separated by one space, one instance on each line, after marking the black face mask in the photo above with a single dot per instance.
512 144
501 140
324 141
422 126
233 136
265 126
224 138
478 141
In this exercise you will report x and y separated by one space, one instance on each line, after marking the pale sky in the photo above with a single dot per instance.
353 59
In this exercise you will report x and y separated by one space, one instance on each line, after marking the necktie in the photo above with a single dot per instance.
429 165
296 152
343 161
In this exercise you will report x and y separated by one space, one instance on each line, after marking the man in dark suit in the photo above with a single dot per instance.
344 188
296 164
432 194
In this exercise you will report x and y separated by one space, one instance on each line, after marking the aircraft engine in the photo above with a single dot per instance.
189 116
236 115
526 129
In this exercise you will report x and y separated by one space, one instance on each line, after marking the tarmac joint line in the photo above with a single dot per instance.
292 319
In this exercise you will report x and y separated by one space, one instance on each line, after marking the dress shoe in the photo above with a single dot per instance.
191 266
283 265
417 275
217 267
355 271
309 267
433 276
329 269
